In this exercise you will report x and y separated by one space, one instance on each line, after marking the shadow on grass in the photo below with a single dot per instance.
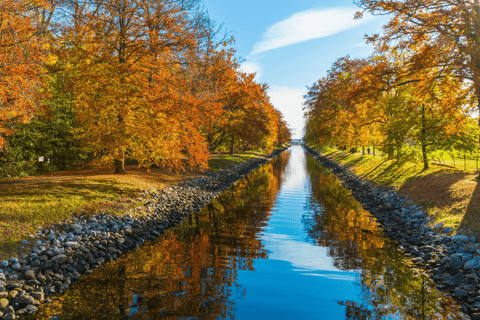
434 190
471 219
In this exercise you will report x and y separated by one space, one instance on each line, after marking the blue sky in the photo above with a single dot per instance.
291 44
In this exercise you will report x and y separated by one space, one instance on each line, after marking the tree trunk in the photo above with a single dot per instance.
390 152
423 140
120 165
232 145
363 151
399 151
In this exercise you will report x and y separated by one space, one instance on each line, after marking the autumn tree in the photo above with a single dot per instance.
447 30
21 53
130 99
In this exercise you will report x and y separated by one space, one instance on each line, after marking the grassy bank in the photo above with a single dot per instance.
39 201
449 195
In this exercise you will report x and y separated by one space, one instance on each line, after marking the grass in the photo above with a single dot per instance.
223 161
40 201
449 195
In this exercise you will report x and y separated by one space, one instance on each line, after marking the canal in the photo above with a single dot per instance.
286 242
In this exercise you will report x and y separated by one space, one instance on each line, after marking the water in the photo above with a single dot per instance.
286 242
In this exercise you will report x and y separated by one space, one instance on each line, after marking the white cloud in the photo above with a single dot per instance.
307 25
290 102
251 67
361 44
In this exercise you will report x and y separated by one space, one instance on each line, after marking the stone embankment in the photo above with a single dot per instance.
65 251
453 262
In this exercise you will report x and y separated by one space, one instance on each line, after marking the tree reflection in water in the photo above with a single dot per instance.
190 272
391 285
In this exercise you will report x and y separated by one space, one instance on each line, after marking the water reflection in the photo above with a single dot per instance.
287 242
190 272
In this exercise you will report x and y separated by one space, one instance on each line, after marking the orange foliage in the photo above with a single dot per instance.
20 61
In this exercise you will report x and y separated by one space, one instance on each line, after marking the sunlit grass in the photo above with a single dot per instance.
448 194
225 160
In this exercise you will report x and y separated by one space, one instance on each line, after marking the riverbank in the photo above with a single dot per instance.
66 250
40 201
449 195
453 262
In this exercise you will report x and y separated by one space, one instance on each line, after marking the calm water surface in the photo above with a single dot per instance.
286 242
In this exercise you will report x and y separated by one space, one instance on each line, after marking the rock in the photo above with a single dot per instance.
58 251
472 264
447 230
9 316
72 244
29 274
16 266
12 294
461 238
25 242
3 303
438 226
456 263
15 285
61 258
38 295
31 308
460 293
26 299
470 287
76 227
41 278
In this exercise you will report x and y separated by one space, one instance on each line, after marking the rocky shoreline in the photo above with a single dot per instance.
452 262
64 252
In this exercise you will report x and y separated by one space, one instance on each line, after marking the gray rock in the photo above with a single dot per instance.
456 263
470 287
72 244
29 274
38 295
61 258
438 226
4 264
472 264
26 299
58 251
51 236
460 293
9 316
461 238
76 227
16 266
31 308
448 230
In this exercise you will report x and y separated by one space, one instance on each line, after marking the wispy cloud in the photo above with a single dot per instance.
361 44
307 25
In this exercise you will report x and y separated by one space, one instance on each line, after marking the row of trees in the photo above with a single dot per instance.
105 80
421 86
